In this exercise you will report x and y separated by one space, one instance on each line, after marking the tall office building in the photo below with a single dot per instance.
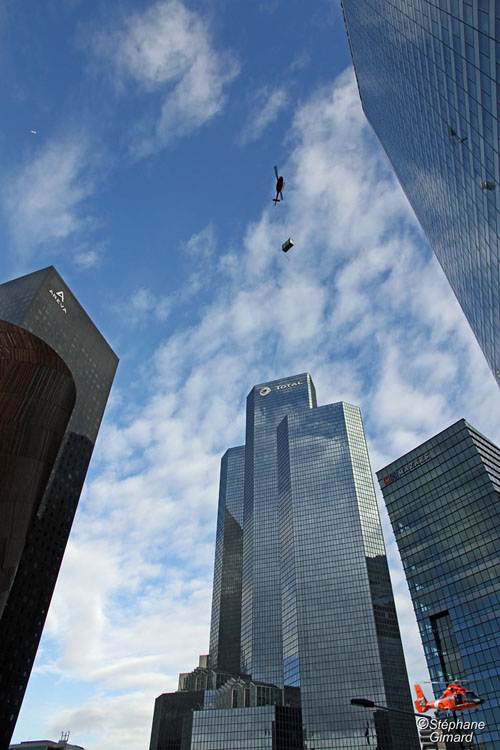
303 615
56 371
443 500
428 73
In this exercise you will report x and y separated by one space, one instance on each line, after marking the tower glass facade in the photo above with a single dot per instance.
428 73
225 641
258 728
317 615
56 371
443 500
261 631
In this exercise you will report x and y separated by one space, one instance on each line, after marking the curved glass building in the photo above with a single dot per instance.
428 74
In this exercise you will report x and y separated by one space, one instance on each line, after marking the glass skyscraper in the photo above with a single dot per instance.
56 372
303 613
443 500
428 72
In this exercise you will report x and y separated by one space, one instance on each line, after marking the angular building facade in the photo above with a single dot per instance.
302 604
443 500
428 73
56 372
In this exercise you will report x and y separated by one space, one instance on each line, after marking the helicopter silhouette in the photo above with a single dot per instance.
280 182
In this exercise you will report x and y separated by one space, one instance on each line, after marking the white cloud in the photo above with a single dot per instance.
358 302
300 61
202 244
142 305
143 301
45 201
89 257
200 249
168 51
267 105
119 717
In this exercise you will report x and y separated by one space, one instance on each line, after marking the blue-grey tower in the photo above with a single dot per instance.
428 73
443 500
301 591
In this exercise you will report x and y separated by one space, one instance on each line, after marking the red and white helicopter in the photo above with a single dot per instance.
454 698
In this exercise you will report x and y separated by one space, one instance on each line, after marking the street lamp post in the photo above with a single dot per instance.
367 703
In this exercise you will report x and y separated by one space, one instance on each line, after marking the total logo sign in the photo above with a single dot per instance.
59 298
266 390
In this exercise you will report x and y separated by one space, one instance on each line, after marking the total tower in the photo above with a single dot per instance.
56 372
303 615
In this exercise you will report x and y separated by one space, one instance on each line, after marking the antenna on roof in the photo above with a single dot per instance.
64 736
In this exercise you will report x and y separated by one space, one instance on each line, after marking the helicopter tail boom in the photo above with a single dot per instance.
421 703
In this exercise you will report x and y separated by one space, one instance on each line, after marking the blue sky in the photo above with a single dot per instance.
148 184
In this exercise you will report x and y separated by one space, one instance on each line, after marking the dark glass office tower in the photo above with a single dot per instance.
443 499
56 371
302 604
428 73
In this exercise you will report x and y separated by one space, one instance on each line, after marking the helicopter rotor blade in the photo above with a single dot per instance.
447 682
436 682
276 172
281 195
